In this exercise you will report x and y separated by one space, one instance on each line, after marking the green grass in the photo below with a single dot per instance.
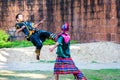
25 43
45 61
104 74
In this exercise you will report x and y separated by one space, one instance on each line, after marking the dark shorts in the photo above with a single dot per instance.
39 37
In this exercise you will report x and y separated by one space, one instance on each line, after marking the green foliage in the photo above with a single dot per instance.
73 42
24 43
49 42
4 44
3 36
7 44
15 44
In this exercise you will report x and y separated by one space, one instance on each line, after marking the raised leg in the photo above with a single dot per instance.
38 43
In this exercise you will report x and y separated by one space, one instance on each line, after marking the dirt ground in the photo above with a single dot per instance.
100 52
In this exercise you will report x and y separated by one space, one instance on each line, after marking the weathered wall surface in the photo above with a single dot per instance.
90 20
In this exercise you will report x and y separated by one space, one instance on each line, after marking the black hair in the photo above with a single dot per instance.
18 15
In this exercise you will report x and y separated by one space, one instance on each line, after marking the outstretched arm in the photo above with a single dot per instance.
20 29
41 22
56 44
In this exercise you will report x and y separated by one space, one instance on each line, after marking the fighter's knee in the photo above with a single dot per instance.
39 46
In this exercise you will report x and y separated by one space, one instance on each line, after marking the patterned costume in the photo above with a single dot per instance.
37 37
64 63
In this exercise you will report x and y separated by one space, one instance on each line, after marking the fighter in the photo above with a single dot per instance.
37 37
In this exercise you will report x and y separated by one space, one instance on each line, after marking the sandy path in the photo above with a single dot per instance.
86 56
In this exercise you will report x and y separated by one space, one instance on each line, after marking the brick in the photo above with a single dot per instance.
98 37
113 37
101 15
102 22
118 30
103 37
113 22
112 1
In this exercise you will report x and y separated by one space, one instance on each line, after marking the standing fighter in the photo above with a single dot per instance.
64 63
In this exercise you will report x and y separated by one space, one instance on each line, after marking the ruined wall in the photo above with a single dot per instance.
90 20
32 10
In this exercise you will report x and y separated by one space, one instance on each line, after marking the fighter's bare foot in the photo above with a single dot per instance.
84 78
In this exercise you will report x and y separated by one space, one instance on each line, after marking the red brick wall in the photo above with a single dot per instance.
90 20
